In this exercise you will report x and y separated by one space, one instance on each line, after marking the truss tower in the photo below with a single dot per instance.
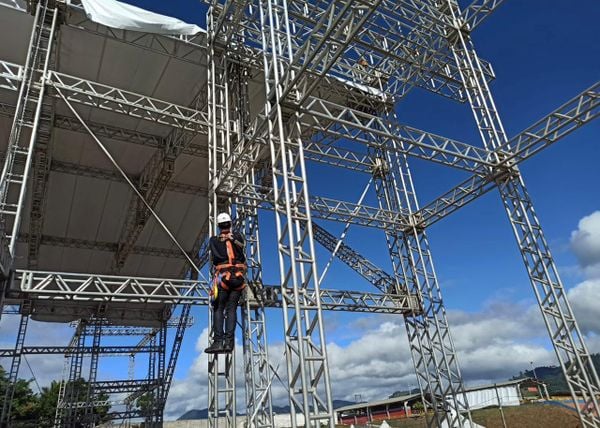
121 147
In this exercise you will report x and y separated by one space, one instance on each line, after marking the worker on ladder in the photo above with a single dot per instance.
229 262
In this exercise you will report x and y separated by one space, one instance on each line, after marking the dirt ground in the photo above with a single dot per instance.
528 416
524 416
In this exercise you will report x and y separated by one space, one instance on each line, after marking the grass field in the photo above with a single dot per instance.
525 416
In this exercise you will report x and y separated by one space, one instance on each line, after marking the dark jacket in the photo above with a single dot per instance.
218 249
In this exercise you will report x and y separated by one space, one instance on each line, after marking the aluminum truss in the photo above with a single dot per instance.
257 370
428 332
78 405
358 263
311 52
14 367
24 133
567 118
221 136
103 289
305 349
153 181
573 355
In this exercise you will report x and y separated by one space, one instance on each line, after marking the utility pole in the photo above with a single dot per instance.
500 406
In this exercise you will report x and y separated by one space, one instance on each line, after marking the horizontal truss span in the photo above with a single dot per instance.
105 174
329 209
104 130
117 386
359 126
102 246
114 330
575 113
109 98
44 286
64 350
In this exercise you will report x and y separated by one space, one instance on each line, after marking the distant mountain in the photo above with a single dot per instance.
550 375
279 410
194 414
553 377
342 403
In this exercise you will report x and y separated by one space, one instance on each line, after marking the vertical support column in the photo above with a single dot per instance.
14 367
259 409
160 375
26 125
90 396
61 401
430 341
21 144
152 363
257 374
306 357
177 341
565 335
73 387
221 368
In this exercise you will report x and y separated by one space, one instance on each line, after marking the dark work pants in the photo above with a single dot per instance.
224 312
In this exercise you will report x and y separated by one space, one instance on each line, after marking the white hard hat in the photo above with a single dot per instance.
223 218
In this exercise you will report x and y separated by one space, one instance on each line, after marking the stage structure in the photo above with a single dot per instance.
122 146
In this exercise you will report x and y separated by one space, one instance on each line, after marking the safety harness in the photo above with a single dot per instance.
231 271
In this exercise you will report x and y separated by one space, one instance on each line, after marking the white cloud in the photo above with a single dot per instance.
46 368
585 242
192 392
584 301
492 344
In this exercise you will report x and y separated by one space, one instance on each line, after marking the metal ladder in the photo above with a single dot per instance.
257 370
221 368
29 115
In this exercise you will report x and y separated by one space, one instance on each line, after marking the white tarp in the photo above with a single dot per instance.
115 14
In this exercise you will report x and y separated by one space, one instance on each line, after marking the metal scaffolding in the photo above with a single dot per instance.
271 87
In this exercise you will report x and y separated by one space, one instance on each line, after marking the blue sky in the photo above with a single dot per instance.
544 52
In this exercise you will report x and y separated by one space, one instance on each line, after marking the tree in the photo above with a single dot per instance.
417 406
24 404
30 410
146 404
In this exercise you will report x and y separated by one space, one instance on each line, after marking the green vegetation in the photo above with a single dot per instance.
31 410
553 377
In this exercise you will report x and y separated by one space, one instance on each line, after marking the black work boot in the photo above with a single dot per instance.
228 345
215 348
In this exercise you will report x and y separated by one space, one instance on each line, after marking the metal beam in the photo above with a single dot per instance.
357 262
39 285
366 128
62 350
327 208
106 174
102 246
125 135
570 116
120 386
478 11
315 151
354 124
153 181
569 345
